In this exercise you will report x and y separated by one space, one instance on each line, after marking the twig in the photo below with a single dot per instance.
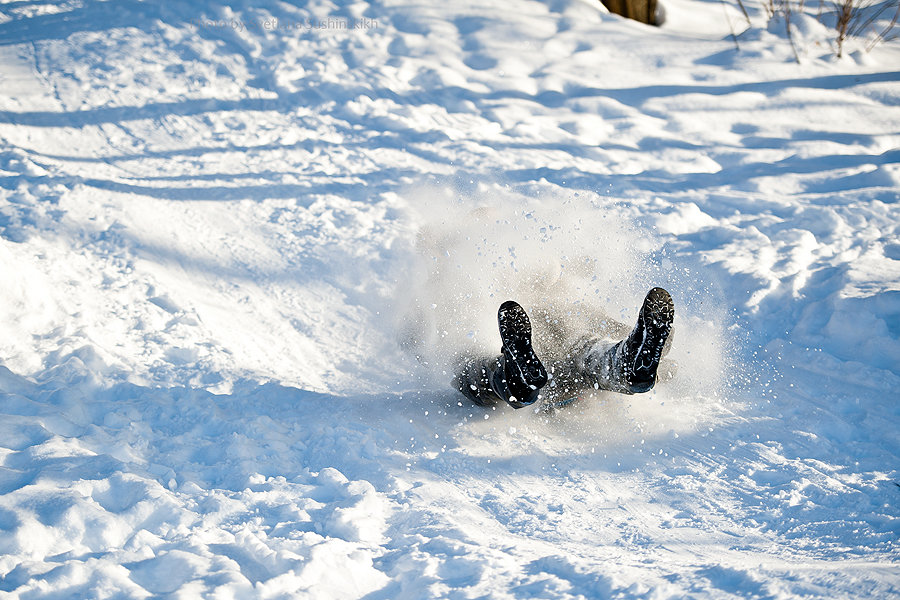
786 9
731 26
743 10
883 35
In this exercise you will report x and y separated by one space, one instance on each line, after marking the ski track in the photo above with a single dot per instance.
208 240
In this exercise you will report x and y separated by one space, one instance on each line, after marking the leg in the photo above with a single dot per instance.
473 379
515 376
630 366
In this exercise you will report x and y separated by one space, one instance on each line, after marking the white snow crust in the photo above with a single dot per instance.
242 244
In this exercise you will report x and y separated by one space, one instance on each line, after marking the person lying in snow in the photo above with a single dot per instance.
517 375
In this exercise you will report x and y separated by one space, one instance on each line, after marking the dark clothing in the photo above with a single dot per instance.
613 359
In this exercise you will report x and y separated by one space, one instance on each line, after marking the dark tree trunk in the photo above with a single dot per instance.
639 10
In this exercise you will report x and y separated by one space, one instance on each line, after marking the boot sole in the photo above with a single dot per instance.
654 324
515 332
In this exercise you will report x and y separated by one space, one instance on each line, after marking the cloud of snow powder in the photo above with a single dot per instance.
577 264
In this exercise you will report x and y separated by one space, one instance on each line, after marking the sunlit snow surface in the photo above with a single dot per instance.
239 260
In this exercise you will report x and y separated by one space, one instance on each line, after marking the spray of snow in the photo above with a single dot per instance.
579 265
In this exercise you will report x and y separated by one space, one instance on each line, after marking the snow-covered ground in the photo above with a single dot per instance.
241 245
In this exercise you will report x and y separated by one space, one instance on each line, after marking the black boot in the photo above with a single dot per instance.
520 375
636 358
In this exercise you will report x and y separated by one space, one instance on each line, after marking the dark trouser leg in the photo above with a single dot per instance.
484 381
473 379
601 366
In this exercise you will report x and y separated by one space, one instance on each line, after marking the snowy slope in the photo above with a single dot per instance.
241 243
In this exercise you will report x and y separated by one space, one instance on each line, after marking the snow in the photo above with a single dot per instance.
242 244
